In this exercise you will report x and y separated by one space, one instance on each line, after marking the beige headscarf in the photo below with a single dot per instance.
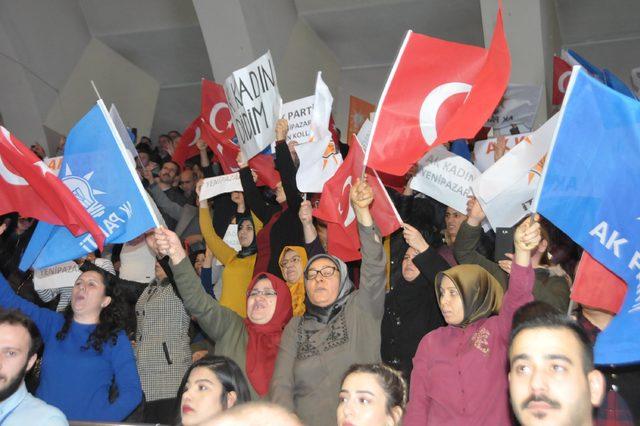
481 292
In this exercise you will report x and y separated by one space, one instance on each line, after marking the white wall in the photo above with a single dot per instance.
134 92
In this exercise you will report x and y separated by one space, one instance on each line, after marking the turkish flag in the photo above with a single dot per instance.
215 110
335 206
596 286
28 186
187 147
265 168
438 91
359 111
561 74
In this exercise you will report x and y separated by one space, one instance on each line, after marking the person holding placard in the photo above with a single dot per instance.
238 266
282 226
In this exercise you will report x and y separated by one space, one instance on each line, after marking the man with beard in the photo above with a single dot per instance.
20 342
163 191
552 380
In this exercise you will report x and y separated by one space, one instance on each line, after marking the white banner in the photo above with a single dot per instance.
220 185
446 177
364 134
122 131
319 158
519 106
483 151
298 114
255 104
56 276
231 238
505 191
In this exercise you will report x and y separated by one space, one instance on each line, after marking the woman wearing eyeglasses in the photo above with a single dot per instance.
252 342
340 327
293 260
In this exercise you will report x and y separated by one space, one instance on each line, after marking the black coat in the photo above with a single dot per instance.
411 311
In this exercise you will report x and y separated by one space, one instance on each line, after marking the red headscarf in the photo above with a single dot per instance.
262 348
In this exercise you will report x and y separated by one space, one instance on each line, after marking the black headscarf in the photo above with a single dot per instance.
326 314
253 248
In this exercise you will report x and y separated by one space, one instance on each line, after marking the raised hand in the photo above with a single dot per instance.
167 243
526 239
201 144
282 128
361 194
306 213
475 214
241 160
414 238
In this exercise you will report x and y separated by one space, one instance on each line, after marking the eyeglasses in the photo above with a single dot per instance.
326 272
293 261
265 293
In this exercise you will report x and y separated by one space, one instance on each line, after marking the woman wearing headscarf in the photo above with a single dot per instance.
340 326
552 283
238 266
252 342
458 366
411 307
293 260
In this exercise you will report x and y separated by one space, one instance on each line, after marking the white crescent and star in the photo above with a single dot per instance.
6 174
214 113
350 214
196 137
562 87
431 105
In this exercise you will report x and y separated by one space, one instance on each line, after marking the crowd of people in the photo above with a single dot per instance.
182 326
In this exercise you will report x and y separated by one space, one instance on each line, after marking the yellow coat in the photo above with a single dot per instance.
237 272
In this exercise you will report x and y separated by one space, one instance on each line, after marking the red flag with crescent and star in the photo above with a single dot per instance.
335 207
437 91
28 186
561 74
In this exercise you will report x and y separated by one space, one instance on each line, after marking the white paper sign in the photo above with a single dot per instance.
298 114
446 177
220 185
507 188
255 104
231 238
56 276
364 134
483 151
519 106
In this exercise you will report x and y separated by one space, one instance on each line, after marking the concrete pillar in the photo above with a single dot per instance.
531 27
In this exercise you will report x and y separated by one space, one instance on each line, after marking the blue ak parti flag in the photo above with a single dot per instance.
590 189
100 173
604 75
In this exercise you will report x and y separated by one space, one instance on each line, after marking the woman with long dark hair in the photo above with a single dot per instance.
88 368
211 385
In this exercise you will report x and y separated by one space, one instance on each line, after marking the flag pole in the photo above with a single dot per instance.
95 89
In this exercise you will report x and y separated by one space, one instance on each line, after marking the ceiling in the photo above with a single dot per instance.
163 37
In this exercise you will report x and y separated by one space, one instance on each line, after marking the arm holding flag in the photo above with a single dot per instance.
218 247
526 238
370 295
286 167
48 322
252 196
